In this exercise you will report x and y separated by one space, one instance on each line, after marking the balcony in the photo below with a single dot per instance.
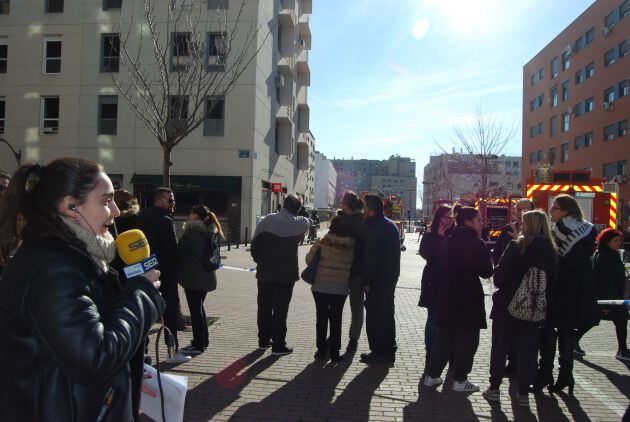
304 115
288 15
283 137
286 65
305 29
303 69
307 7
285 114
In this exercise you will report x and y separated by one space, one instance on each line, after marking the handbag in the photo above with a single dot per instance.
211 258
310 271
530 302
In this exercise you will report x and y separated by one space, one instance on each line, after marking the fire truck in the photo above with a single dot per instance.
393 209
496 213
597 198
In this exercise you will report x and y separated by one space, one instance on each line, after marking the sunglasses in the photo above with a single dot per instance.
3 188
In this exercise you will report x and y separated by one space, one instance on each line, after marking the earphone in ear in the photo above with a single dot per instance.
72 207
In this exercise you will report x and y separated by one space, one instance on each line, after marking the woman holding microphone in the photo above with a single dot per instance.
67 327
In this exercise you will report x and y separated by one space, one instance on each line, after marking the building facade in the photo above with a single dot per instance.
325 182
57 99
394 176
575 98
455 177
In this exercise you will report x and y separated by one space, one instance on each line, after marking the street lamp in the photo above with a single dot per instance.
16 154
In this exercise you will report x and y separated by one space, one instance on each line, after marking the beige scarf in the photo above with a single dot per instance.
101 248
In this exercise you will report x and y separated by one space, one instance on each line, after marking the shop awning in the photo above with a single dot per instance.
214 183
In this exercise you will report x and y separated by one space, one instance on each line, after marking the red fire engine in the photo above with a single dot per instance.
597 198
496 213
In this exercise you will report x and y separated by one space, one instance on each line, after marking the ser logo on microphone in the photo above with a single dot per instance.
138 244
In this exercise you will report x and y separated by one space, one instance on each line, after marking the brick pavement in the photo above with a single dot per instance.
234 381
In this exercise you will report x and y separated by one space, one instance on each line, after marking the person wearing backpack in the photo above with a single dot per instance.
524 278
198 249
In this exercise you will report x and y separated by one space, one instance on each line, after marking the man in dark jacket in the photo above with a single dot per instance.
159 228
381 268
511 231
274 249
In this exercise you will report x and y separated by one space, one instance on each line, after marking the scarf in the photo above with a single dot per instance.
102 248
568 232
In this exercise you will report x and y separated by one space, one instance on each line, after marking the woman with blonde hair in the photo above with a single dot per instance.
198 279
532 252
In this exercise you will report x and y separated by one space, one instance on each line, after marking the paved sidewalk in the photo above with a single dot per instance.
234 381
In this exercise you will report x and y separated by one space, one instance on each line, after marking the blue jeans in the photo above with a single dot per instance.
430 328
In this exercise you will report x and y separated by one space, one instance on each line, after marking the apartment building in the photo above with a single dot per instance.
575 98
456 177
325 182
255 146
394 176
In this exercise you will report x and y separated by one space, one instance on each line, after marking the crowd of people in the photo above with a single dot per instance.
74 327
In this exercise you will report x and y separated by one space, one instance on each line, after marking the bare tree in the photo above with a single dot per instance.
178 60
479 145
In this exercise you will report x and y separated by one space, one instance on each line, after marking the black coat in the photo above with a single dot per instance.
461 302
159 228
67 333
430 246
610 277
574 302
191 250
381 257
513 266
502 243
358 229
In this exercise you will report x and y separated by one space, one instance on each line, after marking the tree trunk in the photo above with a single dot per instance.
166 167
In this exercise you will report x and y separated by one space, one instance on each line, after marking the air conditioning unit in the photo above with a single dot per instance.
51 130
607 106
568 50
279 81
302 44
606 31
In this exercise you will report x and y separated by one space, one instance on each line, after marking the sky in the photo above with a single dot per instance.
395 76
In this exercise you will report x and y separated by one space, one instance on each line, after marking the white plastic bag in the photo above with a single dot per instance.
174 387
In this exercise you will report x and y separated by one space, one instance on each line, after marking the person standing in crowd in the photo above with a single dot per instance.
274 249
159 227
67 327
5 178
573 304
534 248
303 212
331 285
461 302
430 246
381 269
512 230
202 227
352 214
129 210
610 276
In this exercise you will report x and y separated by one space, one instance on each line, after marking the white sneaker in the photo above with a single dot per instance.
178 358
432 382
465 387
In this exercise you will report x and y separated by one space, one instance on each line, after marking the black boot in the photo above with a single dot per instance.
542 380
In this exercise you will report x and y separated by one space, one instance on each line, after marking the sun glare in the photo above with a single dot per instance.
467 15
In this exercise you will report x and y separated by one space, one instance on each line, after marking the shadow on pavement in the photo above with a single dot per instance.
215 394
621 382
440 405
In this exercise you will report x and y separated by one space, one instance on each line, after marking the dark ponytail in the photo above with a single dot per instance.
32 198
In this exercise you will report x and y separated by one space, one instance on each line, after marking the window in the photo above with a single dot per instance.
623 88
566 61
580 76
552 155
214 124
110 61
50 115
580 44
4 7
541 73
536 130
623 49
535 157
588 139
4 53
589 105
564 152
554 67
537 102
579 142
54 6
590 70
624 9
52 55
610 19
218 4
553 126
609 57
177 113
590 36
276 141
565 90
619 168
107 114
217 50
578 109
610 131
180 50
112 4
622 128
554 97
2 111
609 95
565 122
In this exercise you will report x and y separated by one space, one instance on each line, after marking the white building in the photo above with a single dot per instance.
450 177
56 99
325 182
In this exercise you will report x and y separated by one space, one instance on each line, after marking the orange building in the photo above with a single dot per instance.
575 98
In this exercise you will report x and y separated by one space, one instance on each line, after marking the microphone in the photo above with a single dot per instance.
133 248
